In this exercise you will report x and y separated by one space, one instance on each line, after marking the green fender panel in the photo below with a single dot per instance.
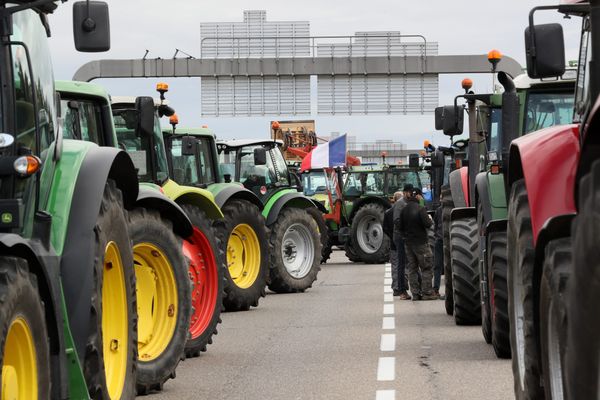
57 186
190 195
216 188
497 196
284 198
273 199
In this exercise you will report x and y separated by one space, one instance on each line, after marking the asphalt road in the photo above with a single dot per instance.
341 340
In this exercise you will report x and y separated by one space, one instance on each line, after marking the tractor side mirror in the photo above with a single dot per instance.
187 146
413 160
439 118
260 156
144 105
452 120
437 159
545 50
165 111
91 26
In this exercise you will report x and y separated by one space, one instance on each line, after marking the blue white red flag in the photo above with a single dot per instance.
326 155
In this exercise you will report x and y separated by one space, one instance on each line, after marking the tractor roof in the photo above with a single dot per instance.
523 81
82 88
248 142
184 130
131 100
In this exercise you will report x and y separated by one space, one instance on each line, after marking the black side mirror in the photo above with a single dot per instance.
439 118
144 105
413 160
437 159
260 156
545 50
165 111
187 146
91 26
452 120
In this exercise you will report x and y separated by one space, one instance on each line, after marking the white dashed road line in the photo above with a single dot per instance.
388 342
387 289
386 369
385 395
388 309
388 323
388 298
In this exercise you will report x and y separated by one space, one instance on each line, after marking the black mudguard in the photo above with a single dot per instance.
44 263
483 195
237 193
77 261
320 206
289 199
456 188
152 199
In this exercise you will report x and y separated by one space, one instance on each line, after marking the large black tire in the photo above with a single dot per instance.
447 206
498 293
521 296
553 315
366 253
201 222
484 282
243 212
326 247
111 226
350 252
281 280
147 227
583 357
20 301
464 247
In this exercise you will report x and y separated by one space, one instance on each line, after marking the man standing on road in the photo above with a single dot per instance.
414 222
400 272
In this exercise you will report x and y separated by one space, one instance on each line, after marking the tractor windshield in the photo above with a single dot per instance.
399 177
360 183
138 147
314 182
494 141
192 169
546 109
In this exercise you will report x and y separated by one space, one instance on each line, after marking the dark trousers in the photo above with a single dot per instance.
419 259
399 282
438 263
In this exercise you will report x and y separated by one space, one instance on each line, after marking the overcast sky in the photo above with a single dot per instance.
459 26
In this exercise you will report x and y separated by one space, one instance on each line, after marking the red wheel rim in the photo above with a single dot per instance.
205 280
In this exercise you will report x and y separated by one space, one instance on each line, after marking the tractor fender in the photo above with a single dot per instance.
555 228
463 212
289 199
149 198
234 191
547 161
201 198
78 253
482 194
362 201
459 187
45 265
490 192
320 206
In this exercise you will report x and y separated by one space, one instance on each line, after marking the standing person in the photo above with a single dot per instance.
414 222
438 255
399 204
388 230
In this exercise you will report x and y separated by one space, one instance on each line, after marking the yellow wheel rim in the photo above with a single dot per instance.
19 372
114 321
156 299
243 256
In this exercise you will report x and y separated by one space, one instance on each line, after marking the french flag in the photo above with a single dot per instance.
326 155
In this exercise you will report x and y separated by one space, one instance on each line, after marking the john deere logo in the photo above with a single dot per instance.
6 218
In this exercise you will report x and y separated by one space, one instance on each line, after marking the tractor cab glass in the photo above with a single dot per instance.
145 158
494 138
544 109
397 178
82 120
314 182
582 88
192 169
364 183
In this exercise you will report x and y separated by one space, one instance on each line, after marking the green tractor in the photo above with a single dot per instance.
155 228
295 237
193 161
368 192
68 321
164 264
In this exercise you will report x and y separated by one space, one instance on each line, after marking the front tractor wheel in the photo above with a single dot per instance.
368 239
25 356
207 270
109 364
295 251
163 298
245 233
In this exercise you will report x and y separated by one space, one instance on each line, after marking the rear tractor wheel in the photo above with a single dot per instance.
207 270
110 359
295 251
245 233
163 298
368 239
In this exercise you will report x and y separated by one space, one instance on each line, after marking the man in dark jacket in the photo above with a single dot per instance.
399 275
414 222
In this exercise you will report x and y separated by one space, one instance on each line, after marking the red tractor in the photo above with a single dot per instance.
554 226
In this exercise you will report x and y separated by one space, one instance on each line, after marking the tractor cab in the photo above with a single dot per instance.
257 164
